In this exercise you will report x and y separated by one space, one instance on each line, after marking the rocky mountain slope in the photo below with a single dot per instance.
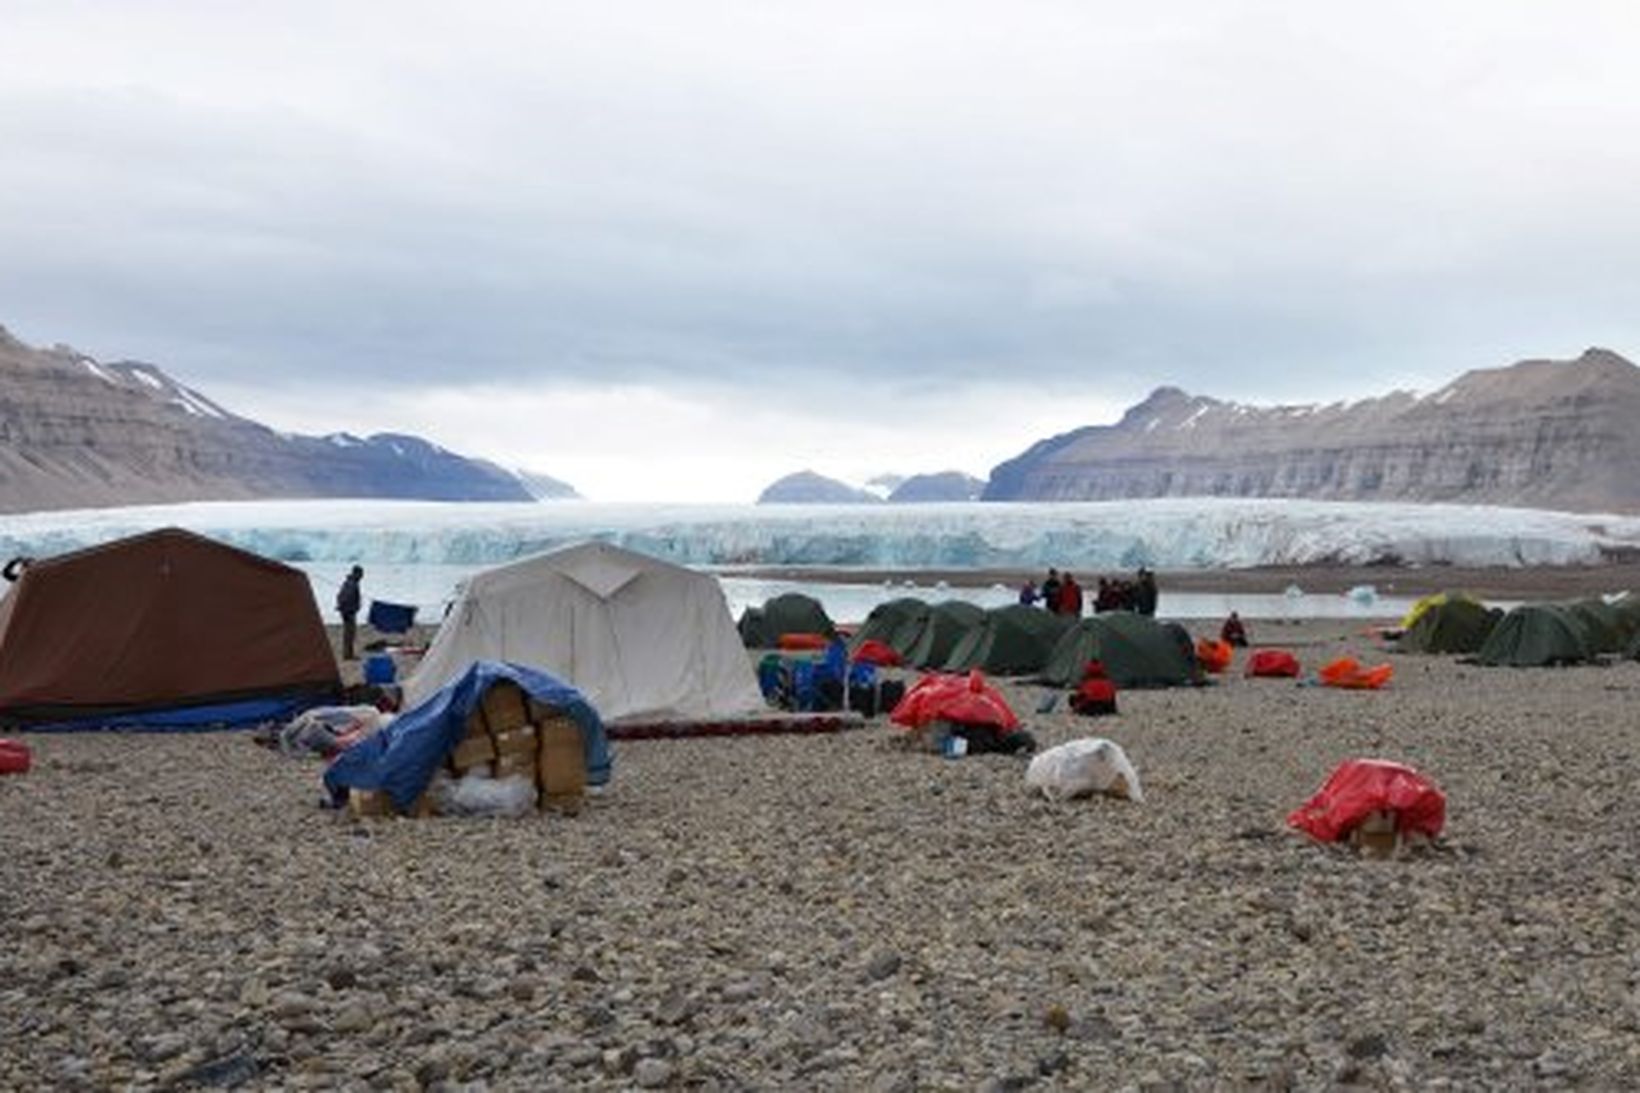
810 488
943 486
544 487
1541 433
79 433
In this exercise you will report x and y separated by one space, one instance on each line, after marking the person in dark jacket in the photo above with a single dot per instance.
1234 632
1145 593
347 606
1050 591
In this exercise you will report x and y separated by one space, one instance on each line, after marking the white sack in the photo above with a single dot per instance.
1084 767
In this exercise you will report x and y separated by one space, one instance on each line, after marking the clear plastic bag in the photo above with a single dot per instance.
321 730
478 794
1081 768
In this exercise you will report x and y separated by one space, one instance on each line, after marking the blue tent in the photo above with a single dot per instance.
403 757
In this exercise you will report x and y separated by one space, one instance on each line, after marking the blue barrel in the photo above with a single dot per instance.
378 668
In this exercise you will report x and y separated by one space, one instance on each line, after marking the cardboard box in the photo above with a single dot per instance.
517 742
363 803
507 766
1376 836
505 708
562 765
474 751
375 803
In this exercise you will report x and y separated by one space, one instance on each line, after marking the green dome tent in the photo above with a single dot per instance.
1626 609
1008 641
1458 624
1187 644
788 613
1534 635
1136 651
941 627
886 621
1604 625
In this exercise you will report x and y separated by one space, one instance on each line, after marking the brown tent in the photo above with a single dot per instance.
162 628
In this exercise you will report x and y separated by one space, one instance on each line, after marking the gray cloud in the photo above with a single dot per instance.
1254 199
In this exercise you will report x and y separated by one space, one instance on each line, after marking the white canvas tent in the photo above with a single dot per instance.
643 639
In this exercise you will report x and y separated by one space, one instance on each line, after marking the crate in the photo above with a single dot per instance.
1376 836
505 707
375 803
473 751
562 765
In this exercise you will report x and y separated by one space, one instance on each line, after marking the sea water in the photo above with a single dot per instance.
432 588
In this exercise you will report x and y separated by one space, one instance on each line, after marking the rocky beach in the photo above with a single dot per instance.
835 912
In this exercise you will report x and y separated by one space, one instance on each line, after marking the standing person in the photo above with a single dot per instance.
1028 594
347 606
1050 591
1145 595
1070 597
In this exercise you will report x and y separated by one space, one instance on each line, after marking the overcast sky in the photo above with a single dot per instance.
678 249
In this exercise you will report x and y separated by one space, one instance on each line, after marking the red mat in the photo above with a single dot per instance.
744 726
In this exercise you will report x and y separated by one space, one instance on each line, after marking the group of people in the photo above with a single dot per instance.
1062 595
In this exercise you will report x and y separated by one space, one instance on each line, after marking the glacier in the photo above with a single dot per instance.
1171 533
416 551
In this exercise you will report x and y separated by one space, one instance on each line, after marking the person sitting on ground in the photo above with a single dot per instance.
1233 632
1096 694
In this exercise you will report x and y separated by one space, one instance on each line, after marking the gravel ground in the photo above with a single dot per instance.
838 913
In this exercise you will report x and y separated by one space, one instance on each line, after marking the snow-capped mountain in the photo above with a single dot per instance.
80 433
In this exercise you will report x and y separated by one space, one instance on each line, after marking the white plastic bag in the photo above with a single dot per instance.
319 729
1084 767
478 794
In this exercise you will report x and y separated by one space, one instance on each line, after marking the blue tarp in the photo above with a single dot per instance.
403 757
244 714
391 618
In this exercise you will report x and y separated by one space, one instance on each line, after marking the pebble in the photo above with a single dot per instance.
742 990
652 1073
829 911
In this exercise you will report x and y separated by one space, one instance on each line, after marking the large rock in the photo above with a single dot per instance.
1546 434
76 432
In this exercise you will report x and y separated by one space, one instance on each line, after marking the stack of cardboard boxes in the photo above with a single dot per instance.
510 734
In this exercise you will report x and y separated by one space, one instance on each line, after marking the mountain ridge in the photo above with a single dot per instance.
76 432
1538 433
